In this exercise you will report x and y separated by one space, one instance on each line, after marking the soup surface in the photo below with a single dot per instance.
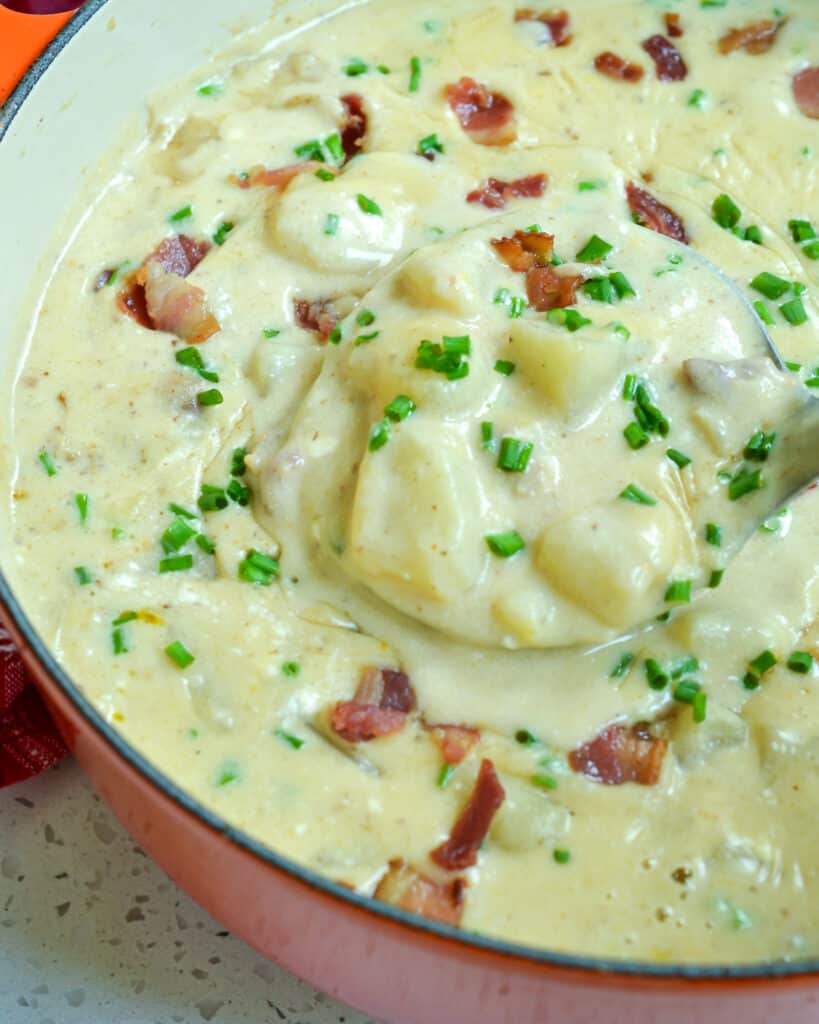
376 395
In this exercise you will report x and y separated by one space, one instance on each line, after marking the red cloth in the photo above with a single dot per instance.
29 740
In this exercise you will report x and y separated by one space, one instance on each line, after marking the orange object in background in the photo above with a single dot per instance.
23 37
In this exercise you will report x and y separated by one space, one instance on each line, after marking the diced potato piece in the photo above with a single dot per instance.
574 374
443 276
527 817
695 742
413 530
614 559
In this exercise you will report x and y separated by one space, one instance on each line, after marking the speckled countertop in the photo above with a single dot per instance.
93 932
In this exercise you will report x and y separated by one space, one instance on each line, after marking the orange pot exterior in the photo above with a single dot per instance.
372 957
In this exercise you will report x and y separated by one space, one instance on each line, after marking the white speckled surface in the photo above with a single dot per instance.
92 932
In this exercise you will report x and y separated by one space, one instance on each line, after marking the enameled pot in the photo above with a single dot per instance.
386 962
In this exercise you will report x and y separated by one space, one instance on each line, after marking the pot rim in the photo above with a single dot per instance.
625 973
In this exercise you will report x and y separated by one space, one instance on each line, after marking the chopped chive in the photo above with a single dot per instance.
759 445
713 534
205 543
83 575
237 462
697 99
630 382
183 213
289 739
648 415
685 667
487 435
811 250
379 435
561 855
430 144
794 312
763 662
335 335
504 545
594 250
514 454
228 774
624 663
118 642
571 319
526 738
800 661
212 498
213 396
502 296
310 150
591 186
178 510
799 288
291 669
256 567
176 563
750 681
678 592
505 367
634 493
635 436
699 703
46 463
686 691
190 357
448 358
212 88
81 501
656 678
753 233
445 775
794 367
179 654
399 408
239 492
324 175
769 285
331 224
715 578
801 230
620 330
365 318
764 314
678 458
415 74
600 289
744 481
123 617
117 533
335 147
725 211
622 285
363 339
367 205
517 304
176 536
271 332
355 67
544 781
221 233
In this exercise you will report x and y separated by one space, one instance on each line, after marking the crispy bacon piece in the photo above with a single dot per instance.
655 215
405 887
455 741
494 193
103 278
667 58
621 754
382 701
487 117
672 24
353 129
547 289
469 831
756 37
525 249
806 91
318 316
609 64
276 177
158 298
556 21
175 305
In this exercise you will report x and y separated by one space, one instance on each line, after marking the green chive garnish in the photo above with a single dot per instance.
46 463
367 205
624 663
686 691
183 213
505 367
355 67
399 408
630 382
591 186
176 563
379 435
678 458
237 462
289 739
291 669
118 642
744 481
562 856
759 445
571 319
635 436
83 575
365 318
594 250
445 775
697 99
764 314
713 534
212 88
514 454
238 492
725 211
769 285
205 543
271 332
504 545
762 663
228 773
634 493
715 578
544 781
449 357
801 230
213 396
212 499
699 703
487 436
176 536
331 224
622 285
600 289
256 567
178 510
415 74
678 592
794 312
800 661
324 175
526 738
430 144
221 233
655 676
81 501
179 654
753 233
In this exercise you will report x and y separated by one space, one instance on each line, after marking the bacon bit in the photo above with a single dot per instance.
488 117
547 289
318 316
672 25
525 249
556 21
405 887
103 278
353 129
756 37
455 741
667 59
611 65
278 177
175 305
494 193
179 254
655 215
806 91
382 701
621 754
131 301
469 831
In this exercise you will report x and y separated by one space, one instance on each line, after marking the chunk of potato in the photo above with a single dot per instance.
695 742
527 817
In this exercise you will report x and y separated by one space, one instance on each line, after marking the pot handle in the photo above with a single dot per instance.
24 36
